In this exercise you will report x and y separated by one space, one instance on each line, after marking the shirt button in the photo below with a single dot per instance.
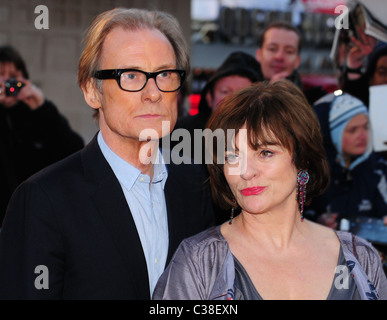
142 179
156 261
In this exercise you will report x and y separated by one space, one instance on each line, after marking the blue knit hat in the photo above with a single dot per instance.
343 108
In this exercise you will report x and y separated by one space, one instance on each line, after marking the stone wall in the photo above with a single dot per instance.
52 54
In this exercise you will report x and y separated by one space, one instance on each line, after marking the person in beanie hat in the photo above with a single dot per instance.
343 109
375 74
358 175
240 69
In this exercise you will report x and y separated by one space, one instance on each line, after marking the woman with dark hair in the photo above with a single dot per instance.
270 168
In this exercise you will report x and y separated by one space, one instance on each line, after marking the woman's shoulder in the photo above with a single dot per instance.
209 244
361 248
204 239
352 241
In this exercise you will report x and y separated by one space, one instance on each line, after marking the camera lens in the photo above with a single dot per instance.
13 87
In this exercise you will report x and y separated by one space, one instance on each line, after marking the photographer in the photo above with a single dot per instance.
33 134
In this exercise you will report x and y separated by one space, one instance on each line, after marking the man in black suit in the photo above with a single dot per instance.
103 223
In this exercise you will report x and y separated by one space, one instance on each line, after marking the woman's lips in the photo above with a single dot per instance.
252 191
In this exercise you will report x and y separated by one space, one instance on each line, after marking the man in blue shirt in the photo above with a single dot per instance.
103 223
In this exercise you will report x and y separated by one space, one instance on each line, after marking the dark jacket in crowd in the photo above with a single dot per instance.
29 141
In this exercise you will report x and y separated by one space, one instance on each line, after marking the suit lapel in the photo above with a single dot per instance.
175 204
114 211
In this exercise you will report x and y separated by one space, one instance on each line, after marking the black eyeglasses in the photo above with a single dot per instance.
134 80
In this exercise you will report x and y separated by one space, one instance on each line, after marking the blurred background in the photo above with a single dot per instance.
213 28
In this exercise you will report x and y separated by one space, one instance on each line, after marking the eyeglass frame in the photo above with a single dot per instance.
115 74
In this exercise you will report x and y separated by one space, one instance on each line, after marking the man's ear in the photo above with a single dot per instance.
92 95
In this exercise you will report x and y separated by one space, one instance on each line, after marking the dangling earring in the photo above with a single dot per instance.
302 180
232 212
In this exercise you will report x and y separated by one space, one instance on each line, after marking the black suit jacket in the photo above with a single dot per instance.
73 219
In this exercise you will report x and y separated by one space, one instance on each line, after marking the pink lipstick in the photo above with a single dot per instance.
252 191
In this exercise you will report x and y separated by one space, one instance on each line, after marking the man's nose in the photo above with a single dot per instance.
151 92
279 54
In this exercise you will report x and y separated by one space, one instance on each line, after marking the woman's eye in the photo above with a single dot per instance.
266 153
232 158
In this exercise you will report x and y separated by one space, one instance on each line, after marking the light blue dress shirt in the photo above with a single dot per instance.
147 205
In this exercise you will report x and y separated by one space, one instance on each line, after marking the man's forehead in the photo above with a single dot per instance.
120 38
291 37
123 33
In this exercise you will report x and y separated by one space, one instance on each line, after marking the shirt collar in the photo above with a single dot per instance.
126 173
160 174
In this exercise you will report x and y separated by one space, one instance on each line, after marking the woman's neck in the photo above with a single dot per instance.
269 229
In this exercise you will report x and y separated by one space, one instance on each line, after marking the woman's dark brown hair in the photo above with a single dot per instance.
271 110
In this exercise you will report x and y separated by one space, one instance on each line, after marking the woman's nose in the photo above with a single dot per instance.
249 169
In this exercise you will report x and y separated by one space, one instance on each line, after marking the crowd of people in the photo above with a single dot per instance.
240 226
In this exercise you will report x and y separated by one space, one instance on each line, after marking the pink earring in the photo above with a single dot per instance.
302 180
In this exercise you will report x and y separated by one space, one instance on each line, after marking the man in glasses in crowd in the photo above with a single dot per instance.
104 223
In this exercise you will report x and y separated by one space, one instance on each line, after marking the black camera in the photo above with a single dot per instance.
13 87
